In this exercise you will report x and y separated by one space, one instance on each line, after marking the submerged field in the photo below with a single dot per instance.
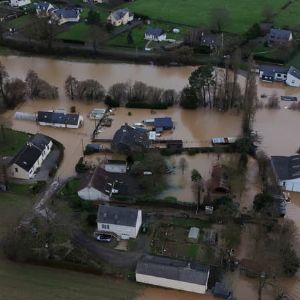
243 14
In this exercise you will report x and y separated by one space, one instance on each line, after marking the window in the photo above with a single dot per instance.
105 226
279 75
16 170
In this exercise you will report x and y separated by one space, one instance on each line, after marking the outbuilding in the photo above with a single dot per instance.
59 119
194 234
155 34
115 166
172 273
165 123
293 77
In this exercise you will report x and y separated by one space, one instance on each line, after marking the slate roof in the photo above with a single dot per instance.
120 13
279 34
123 216
156 32
272 69
165 122
173 269
31 151
66 13
294 72
57 118
286 167
130 139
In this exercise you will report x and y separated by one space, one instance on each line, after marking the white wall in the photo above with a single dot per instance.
292 185
173 284
153 38
90 193
63 21
112 168
292 81
19 3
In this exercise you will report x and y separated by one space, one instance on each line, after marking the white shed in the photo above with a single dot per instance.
116 166
293 77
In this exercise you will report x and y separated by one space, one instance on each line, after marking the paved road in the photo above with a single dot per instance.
111 256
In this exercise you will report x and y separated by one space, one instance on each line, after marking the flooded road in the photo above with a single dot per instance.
279 130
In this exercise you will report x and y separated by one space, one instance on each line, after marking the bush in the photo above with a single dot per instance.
80 166
111 102
37 187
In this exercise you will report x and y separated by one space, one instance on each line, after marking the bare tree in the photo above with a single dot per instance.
273 101
90 90
169 97
71 85
219 18
182 164
119 92
197 184
3 79
15 92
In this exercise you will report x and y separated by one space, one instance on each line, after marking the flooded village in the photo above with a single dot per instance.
277 130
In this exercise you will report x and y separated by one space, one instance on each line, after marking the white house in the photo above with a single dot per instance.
287 171
120 17
122 221
155 34
115 166
59 119
293 77
172 273
30 157
44 9
97 185
64 15
19 3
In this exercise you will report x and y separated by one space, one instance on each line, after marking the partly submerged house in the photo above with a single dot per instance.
272 73
30 158
120 17
219 180
172 273
122 221
44 9
279 37
287 171
155 34
66 15
129 139
59 119
164 123
19 3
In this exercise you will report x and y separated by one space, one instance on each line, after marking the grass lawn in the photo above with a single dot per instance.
77 32
289 17
19 22
11 141
26 282
243 14
295 61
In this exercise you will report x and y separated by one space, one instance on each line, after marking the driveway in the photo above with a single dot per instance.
111 256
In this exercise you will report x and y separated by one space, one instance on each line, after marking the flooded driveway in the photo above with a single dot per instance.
279 129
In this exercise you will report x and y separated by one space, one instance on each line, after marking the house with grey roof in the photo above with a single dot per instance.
293 77
155 34
59 119
272 73
172 273
287 171
120 17
279 37
211 40
124 222
66 15
29 159
44 9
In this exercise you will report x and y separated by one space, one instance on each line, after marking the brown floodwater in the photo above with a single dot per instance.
279 130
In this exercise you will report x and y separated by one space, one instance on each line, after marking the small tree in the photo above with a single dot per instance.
219 18
188 98
93 18
71 85
182 164
129 38
15 92
197 183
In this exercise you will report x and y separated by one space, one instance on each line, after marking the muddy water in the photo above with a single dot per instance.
279 129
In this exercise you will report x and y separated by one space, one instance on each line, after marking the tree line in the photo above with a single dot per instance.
14 90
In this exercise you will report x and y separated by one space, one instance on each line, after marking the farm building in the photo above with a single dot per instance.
122 221
172 273
30 158
279 37
155 34
116 166
120 17
59 119
287 171
130 139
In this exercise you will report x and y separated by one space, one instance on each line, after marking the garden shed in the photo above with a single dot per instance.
194 234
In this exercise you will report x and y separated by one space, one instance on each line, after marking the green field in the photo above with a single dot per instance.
78 32
295 61
289 17
11 141
243 14
19 22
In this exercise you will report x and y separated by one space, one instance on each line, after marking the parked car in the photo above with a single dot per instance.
104 238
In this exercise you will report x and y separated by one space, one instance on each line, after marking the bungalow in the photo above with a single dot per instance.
115 166
44 9
272 73
287 171
130 139
279 37
19 3
120 17
293 77
122 221
59 119
26 162
155 34
172 273
64 15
